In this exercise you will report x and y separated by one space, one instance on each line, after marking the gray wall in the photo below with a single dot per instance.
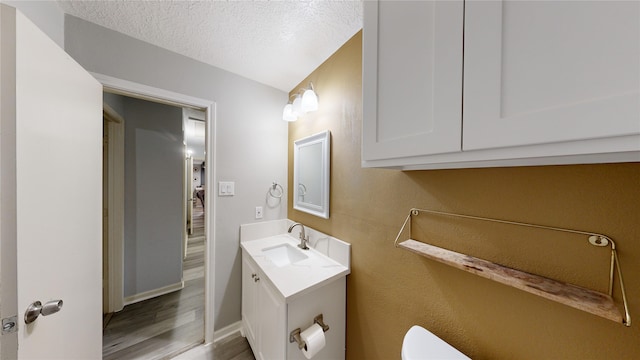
250 137
153 183
45 14
115 101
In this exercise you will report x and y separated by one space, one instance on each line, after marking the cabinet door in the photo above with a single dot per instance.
272 324
539 72
249 298
412 78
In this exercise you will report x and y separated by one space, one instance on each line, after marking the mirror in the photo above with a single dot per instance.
311 174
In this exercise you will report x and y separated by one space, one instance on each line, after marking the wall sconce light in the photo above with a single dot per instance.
287 114
309 100
302 104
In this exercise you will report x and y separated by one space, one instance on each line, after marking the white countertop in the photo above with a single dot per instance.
296 279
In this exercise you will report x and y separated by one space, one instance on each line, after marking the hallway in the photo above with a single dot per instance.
162 327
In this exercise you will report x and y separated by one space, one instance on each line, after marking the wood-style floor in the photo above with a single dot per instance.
165 326
234 347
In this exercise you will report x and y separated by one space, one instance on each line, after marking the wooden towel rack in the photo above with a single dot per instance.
588 300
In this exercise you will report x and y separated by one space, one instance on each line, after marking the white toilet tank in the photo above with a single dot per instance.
419 343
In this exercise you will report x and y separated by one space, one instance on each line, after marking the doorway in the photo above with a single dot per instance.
195 165
197 248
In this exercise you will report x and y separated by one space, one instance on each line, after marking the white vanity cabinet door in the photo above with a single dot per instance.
249 299
272 311
412 78
539 72
263 313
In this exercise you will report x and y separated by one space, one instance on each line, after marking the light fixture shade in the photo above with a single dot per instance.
309 101
297 106
287 114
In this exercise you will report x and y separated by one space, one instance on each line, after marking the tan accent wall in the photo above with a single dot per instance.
391 289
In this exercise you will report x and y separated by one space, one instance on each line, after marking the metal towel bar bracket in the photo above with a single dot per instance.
464 262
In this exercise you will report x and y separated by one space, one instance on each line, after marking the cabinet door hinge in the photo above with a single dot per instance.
9 325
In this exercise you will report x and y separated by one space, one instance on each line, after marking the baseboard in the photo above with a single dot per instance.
227 331
153 293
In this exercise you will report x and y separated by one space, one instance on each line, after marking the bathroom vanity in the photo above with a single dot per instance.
284 288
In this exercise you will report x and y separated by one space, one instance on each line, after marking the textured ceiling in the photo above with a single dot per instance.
278 43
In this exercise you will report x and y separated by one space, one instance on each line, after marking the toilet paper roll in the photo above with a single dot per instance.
313 338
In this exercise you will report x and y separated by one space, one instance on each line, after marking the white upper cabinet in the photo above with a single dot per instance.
545 82
539 72
412 78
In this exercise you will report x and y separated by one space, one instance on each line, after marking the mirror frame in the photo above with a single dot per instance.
323 138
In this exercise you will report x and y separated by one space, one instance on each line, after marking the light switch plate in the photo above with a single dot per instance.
226 188
258 212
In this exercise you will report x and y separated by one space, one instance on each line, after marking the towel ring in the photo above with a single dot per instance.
277 188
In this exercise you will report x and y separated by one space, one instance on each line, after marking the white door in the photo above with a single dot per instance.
188 203
190 198
51 167
539 72
412 78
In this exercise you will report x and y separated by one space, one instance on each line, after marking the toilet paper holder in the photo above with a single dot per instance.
294 336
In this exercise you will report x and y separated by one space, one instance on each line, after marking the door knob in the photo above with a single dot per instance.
51 307
32 313
36 309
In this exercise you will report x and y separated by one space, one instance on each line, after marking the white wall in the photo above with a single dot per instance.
45 14
250 137
195 133
153 185
197 175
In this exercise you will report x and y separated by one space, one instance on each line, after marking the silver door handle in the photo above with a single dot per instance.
32 313
36 309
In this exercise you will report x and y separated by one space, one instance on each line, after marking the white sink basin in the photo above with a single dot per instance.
283 254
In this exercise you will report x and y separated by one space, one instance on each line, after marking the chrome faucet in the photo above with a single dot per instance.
304 239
